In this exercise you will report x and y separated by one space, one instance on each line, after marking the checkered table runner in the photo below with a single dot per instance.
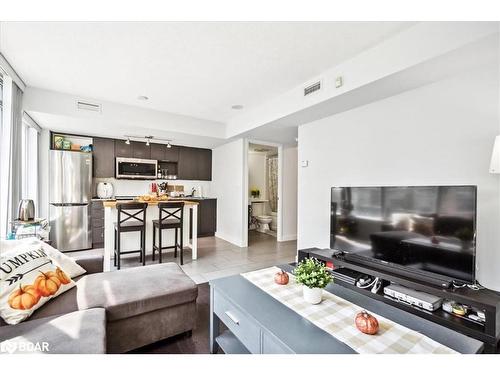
336 316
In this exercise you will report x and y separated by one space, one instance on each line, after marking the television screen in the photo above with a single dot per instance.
429 229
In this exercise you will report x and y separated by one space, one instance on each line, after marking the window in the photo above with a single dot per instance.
1 100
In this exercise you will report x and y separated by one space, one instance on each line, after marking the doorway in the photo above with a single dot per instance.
263 191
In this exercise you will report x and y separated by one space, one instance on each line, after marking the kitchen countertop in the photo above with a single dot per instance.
112 203
170 199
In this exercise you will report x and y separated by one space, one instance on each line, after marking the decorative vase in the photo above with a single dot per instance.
312 295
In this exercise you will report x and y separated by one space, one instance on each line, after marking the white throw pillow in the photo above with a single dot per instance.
65 262
28 279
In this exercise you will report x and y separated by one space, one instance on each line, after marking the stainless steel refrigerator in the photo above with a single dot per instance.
70 195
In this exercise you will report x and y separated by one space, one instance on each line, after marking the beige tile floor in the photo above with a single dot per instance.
218 258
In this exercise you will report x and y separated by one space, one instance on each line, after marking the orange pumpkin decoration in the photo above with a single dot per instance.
366 323
24 298
61 275
281 278
47 283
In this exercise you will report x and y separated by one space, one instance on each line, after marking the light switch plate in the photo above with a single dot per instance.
304 163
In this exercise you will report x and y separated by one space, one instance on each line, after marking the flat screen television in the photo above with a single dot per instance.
424 230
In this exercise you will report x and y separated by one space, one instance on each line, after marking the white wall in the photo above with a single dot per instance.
289 217
436 135
257 172
229 189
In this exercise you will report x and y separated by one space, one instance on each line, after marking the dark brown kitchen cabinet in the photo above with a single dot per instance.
187 163
187 169
204 164
140 150
123 150
195 164
163 153
157 151
207 217
104 157
97 224
172 154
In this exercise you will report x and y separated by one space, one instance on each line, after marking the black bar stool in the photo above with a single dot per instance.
131 218
171 217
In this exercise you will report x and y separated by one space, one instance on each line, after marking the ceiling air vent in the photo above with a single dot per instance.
312 88
86 106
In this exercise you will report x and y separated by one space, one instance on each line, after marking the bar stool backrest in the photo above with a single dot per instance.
171 210
131 211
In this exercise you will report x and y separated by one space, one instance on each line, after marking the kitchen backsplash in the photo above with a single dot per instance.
139 187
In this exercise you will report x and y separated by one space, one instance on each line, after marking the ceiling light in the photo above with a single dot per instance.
142 97
237 106
148 139
127 142
169 145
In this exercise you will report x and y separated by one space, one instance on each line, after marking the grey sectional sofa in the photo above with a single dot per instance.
112 312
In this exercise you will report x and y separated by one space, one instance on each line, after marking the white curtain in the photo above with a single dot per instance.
11 154
272 182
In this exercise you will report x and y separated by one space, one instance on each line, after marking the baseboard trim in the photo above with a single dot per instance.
229 239
290 237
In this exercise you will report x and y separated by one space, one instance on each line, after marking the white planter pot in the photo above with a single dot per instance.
312 295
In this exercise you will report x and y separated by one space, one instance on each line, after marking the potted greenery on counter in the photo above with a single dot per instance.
314 277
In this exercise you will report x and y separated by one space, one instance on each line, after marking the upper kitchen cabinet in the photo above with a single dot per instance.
123 150
104 157
140 150
204 164
157 151
195 164
187 169
172 154
163 153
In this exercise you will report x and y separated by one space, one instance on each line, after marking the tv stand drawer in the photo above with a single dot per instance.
246 330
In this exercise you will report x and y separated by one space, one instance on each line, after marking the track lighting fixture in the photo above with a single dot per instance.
148 139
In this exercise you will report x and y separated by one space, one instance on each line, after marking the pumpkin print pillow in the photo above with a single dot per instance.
68 264
28 279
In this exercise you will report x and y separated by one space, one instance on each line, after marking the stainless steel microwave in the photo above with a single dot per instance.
140 169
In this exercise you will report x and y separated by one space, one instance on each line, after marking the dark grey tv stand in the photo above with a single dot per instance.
486 300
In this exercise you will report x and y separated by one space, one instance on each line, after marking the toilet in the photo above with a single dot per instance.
264 222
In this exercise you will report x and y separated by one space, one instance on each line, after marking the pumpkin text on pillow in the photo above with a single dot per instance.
28 279
68 264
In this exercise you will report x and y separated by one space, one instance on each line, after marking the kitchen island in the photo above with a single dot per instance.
130 241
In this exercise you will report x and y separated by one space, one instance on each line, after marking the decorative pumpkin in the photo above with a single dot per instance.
47 283
366 323
24 298
281 278
63 278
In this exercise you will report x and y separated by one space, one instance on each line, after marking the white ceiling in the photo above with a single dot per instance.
194 69
93 127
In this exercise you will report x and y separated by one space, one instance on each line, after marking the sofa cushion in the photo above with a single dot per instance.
76 332
135 291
